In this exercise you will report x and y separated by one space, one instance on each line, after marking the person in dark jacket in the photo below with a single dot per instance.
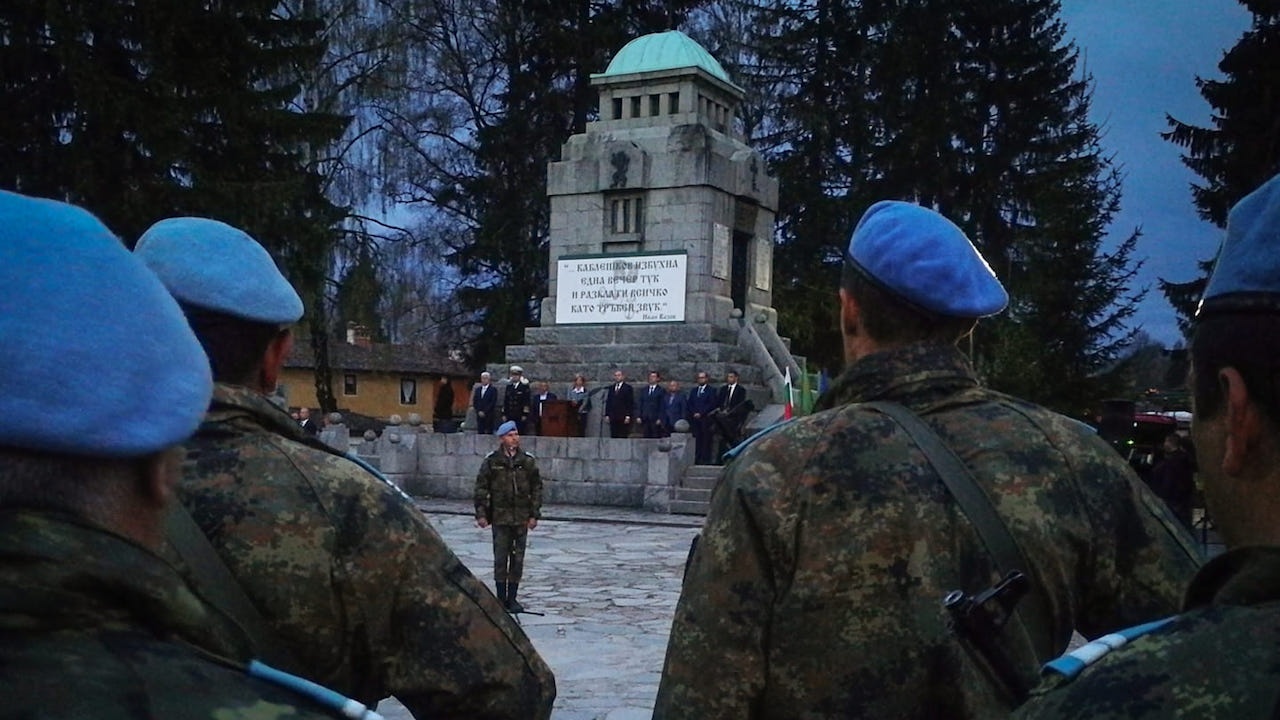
701 404
1173 477
443 419
484 399
674 404
619 406
650 402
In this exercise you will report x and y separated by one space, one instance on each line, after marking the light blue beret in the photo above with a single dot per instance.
506 427
214 266
920 256
96 358
1247 273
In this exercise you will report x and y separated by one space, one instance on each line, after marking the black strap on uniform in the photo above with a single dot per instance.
977 507
215 584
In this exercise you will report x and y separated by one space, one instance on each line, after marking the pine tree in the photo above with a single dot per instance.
144 109
977 110
1241 148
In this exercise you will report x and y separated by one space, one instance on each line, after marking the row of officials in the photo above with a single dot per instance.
173 545
716 415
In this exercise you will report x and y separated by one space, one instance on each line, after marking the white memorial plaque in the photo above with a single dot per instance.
720 251
636 288
764 265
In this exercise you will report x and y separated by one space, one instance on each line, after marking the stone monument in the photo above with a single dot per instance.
661 234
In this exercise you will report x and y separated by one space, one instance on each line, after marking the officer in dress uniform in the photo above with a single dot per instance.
816 589
94 623
1219 658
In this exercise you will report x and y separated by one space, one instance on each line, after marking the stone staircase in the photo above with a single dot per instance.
693 495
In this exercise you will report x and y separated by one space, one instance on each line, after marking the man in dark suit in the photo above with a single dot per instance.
674 405
732 408
651 397
619 406
703 399
304 419
535 412
484 398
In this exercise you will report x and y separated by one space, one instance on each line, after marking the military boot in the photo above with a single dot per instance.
502 593
513 605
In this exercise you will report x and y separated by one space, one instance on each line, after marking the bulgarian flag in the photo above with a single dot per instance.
786 385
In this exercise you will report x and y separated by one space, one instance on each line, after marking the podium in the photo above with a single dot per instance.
559 419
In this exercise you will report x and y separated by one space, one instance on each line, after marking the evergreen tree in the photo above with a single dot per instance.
1241 148
977 110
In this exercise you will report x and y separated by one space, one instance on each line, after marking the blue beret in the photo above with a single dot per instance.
1247 273
214 266
506 427
918 255
97 359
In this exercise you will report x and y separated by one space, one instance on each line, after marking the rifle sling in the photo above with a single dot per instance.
214 583
977 507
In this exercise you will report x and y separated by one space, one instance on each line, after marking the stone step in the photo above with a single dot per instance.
689 507
691 494
654 354
636 369
655 334
702 477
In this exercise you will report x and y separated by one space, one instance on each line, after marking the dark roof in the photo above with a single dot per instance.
381 357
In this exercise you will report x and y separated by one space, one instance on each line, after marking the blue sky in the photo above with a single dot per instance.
1144 56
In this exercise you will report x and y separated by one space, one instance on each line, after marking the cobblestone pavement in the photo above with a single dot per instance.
608 580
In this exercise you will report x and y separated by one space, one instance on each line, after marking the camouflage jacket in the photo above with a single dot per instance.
508 489
355 581
816 588
1219 659
91 626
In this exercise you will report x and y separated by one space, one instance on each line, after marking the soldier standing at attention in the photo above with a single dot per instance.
508 497
1219 658
816 590
348 574
94 623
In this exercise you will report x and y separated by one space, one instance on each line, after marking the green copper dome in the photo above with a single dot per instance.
671 50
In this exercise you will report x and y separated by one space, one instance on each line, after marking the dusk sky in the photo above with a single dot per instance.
1144 56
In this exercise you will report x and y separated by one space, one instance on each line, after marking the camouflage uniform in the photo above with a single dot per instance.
90 626
1217 660
354 580
508 493
816 589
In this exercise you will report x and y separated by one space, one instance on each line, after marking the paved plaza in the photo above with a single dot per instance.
608 580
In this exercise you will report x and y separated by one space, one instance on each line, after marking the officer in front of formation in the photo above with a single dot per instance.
816 590
93 622
347 574
1219 658
508 498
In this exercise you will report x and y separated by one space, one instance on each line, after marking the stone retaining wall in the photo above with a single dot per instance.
634 473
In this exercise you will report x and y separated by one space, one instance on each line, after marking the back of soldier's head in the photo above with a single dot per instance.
233 294
916 276
1238 323
81 400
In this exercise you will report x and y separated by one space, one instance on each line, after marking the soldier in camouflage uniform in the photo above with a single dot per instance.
356 584
1219 658
508 496
816 588
93 622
